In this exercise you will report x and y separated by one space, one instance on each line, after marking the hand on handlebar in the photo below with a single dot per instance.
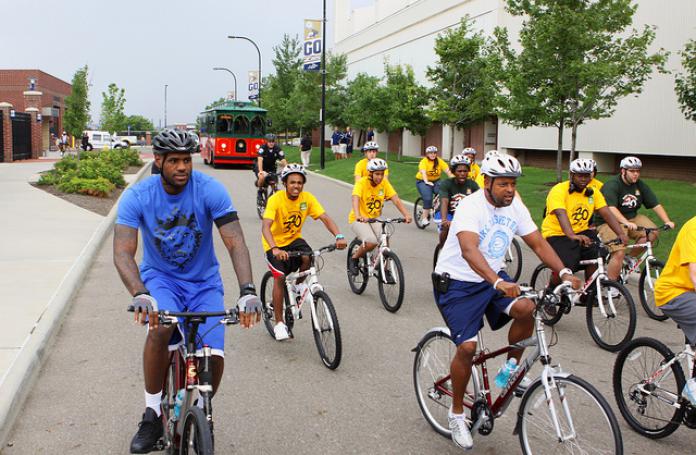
361 219
583 239
407 219
624 239
511 290
573 281
249 310
631 226
145 310
670 224
341 244
280 254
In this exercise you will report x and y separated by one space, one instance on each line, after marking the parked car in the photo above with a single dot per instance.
100 140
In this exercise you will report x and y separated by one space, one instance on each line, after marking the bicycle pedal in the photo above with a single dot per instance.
159 445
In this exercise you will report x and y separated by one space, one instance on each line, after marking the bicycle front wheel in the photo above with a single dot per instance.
391 282
648 399
586 422
261 198
269 320
430 367
513 260
196 437
327 333
418 213
541 277
646 289
358 282
613 331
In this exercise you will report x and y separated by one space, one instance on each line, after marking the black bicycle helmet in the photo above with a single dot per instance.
270 137
171 140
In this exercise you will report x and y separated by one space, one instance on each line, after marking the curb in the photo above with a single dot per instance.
19 379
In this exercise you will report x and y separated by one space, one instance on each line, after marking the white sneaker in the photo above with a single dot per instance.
461 436
281 331
424 221
689 391
611 292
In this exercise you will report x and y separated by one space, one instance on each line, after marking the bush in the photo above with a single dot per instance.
92 169
68 163
90 155
49 178
99 186
122 157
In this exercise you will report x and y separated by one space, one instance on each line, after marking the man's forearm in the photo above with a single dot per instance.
444 205
233 238
661 213
129 273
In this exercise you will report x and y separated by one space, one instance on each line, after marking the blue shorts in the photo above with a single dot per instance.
178 295
437 218
465 303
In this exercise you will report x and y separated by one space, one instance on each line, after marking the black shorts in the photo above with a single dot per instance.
571 252
281 268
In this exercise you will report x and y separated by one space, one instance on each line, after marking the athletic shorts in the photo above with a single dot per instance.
437 218
465 303
366 232
281 268
682 310
571 252
607 234
181 296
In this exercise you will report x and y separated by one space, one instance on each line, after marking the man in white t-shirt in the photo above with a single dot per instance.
470 281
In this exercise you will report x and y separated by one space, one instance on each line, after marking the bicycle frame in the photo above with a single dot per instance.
313 285
596 278
665 371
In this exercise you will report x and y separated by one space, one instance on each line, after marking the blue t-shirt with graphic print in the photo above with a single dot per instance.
176 229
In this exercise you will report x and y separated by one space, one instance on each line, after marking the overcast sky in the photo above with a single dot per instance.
141 45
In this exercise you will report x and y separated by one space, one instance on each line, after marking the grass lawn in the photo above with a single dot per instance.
676 196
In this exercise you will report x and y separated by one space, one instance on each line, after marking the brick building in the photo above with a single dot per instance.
48 90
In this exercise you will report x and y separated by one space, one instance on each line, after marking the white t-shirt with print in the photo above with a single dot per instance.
496 227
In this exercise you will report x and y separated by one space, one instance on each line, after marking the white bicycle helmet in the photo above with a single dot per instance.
376 164
459 159
469 151
492 153
498 165
431 149
582 166
293 168
631 162
370 145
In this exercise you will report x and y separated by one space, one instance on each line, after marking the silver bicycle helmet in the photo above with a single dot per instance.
582 166
459 159
499 165
631 162
377 164
370 145
431 149
293 168
469 151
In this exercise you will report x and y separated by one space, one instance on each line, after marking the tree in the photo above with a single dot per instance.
139 123
113 104
464 86
686 83
217 102
406 102
77 104
366 103
578 59
279 86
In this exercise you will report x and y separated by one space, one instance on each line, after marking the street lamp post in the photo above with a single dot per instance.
165 105
322 154
235 78
259 52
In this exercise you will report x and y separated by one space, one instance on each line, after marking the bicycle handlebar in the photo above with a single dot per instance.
167 317
648 230
386 221
319 252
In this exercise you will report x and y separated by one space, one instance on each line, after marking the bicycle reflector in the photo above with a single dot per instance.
191 375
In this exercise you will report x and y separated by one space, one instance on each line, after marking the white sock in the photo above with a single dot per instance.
451 413
154 401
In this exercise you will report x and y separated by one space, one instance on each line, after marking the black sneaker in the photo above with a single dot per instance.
353 266
150 430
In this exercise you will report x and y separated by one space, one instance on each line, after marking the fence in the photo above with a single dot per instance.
21 136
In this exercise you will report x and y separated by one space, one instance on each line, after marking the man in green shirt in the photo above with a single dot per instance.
454 190
625 194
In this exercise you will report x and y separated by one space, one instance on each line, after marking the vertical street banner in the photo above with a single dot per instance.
312 45
254 85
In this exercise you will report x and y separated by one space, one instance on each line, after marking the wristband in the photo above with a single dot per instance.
340 237
146 292
565 271
247 289
497 282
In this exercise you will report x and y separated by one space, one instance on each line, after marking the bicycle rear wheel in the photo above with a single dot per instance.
513 260
391 282
648 402
432 364
169 391
613 331
541 277
358 282
646 290
418 213
328 335
196 437
586 421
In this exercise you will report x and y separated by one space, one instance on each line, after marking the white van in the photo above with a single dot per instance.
99 140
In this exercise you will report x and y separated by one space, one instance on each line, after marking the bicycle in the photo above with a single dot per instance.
189 373
608 304
383 264
418 210
648 275
270 186
648 379
541 429
327 333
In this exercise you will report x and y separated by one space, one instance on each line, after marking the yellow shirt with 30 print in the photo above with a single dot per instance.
289 215
371 197
578 206
675 279
433 171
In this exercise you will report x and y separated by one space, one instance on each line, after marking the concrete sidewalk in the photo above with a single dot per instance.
46 245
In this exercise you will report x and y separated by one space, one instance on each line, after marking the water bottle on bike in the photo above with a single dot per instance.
503 376
178 401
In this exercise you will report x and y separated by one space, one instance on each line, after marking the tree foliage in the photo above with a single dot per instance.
113 117
279 86
77 104
406 102
578 59
366 102
686 82
139 123
217 102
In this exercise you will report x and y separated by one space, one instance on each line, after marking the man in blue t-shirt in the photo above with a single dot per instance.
175 212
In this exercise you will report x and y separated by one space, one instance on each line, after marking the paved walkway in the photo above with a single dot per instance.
42 241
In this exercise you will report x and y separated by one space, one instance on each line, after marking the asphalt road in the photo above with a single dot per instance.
278 397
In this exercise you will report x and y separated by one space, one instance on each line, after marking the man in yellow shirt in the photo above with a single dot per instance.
369 195
369 150
675 290
286 212
570 206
